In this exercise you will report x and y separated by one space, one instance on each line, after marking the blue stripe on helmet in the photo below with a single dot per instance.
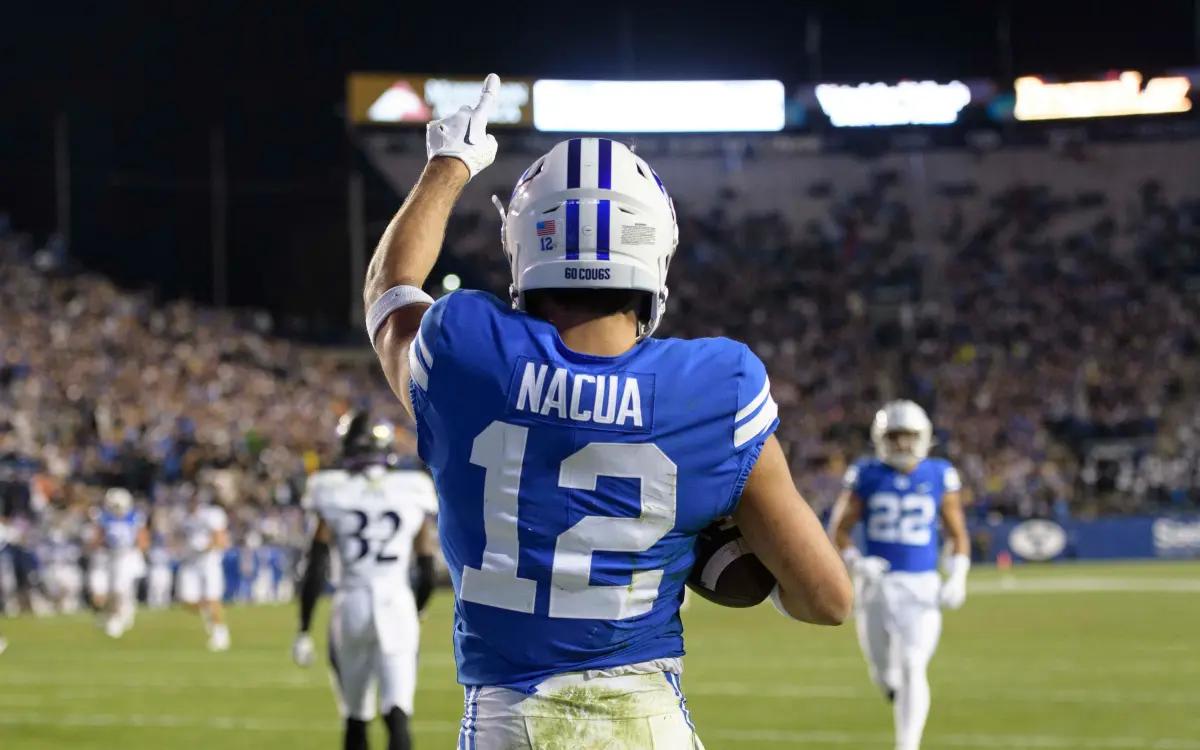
605 179
573 225
574 147
602 222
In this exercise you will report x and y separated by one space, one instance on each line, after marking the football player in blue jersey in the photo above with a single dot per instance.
117 561
575 457
900 495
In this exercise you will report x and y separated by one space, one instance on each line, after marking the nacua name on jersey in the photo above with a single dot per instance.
901 511
572 486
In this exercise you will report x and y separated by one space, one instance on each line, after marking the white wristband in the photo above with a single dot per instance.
777 600
391 301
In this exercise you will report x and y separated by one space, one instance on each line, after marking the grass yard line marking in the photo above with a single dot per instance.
1032 695
1004 741
160 683
230 723
206 659
1081 696
1083 585
21 701
170 721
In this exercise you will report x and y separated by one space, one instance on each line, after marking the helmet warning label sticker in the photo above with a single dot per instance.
638 234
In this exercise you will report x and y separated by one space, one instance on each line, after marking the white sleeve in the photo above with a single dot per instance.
415 489
850 479
757 414
217 519
310 500
951 482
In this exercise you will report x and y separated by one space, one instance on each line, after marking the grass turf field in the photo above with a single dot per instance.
1080 656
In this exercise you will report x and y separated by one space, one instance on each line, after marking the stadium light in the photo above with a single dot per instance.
1123 95
658 106
451 282
905 103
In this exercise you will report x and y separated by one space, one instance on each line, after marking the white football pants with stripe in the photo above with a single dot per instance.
619 709
373 639
899 623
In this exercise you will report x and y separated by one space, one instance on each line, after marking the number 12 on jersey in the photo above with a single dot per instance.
500 450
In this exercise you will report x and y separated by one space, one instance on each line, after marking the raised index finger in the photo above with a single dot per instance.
487 98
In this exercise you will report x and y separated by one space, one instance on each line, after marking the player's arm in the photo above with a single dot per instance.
220 539
846 514
143 538
458 148
786 535
310 590
424 545
954 523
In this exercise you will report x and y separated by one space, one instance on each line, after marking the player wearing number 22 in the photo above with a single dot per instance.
576 457
900 495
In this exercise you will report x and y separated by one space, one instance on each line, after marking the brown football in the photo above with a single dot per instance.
726 571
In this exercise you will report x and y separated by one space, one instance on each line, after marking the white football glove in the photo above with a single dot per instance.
463 134
864 569
954 589
302 650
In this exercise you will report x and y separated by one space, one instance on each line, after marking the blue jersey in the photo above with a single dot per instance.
901 510
572 487
121 532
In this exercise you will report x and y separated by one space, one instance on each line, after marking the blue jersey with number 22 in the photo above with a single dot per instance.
571 487
901 510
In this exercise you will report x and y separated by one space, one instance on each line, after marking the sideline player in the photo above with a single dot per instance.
576 457
200 580
378 519
900 495
119 541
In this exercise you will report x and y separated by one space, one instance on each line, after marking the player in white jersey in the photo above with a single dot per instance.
900 495
378 519
62 575
158 576
117 561
200 582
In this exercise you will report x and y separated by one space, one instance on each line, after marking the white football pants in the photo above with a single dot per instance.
617 709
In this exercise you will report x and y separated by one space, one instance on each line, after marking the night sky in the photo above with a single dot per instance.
141 86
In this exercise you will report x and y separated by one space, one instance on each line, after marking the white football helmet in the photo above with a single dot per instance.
590 214
903 417
118 501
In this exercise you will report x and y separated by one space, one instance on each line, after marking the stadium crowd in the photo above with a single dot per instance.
102 387
1043 328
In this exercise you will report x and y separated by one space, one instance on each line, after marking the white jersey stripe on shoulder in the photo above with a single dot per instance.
420 375
425 353
750 408
751 429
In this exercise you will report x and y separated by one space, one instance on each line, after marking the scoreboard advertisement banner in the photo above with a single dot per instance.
766 106
408 99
